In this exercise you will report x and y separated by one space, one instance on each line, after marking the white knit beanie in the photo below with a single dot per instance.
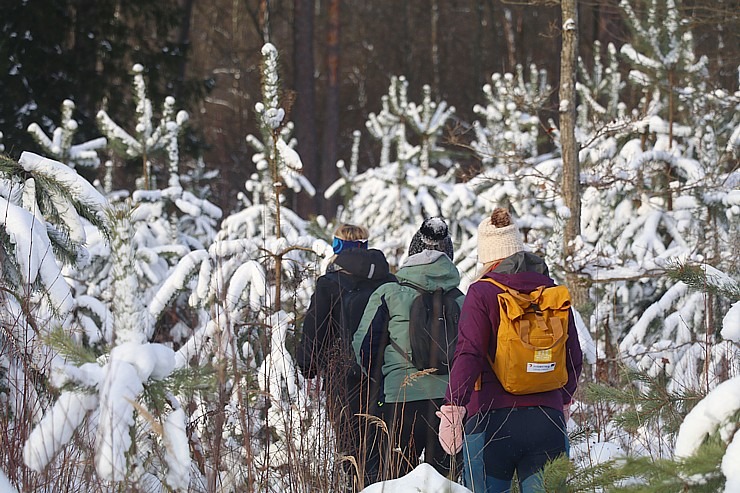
498 237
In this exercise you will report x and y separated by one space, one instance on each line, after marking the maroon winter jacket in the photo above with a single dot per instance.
477 333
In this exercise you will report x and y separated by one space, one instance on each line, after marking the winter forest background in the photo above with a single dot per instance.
151 300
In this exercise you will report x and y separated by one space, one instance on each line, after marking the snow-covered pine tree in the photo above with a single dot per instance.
509 129
662 53
601 109
103 396
260 261
60 147
45 207
414 178
660 192
682 418
151 139
656 222
515 175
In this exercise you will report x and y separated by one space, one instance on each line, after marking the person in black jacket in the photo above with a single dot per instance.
325 349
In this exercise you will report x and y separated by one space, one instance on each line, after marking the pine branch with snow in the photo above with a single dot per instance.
425 123
110 386
646 474
55 193
60 148
345 185
647 402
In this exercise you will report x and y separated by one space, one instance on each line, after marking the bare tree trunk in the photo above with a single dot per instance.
571 167
184 40
264 20
406 39
435 47
304 108
331 110
477 81
508 22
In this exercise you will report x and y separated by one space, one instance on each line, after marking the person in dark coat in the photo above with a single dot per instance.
503 433
325 349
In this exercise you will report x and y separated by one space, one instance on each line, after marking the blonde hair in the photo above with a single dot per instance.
351 232
487 267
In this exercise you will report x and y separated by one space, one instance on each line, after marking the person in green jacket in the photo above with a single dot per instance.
410 397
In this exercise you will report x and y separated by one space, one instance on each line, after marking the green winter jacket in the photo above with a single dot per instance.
391 304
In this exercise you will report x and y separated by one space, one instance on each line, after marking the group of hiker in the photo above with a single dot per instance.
478 384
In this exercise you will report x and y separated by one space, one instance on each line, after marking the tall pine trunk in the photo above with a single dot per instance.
184 41
571 167
331 108
304 108
435 47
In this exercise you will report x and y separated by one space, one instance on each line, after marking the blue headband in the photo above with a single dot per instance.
339 244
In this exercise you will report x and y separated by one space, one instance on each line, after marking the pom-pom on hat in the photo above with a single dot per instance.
498 237
432 235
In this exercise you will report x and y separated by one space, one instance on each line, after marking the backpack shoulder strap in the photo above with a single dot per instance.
400 350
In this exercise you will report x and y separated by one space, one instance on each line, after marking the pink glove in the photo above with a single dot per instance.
451 428
566 412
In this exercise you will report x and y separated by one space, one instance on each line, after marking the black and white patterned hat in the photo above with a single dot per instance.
432 235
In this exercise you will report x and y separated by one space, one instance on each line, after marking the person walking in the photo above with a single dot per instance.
504 432
325 349
411 396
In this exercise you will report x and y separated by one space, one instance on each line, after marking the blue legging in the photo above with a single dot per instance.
503 441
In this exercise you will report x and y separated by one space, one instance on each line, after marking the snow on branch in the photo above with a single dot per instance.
60 146
73 184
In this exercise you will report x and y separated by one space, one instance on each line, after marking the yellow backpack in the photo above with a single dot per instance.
530 347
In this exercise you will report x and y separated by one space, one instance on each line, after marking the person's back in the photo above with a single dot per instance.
504 433
427 271
325 350
411 396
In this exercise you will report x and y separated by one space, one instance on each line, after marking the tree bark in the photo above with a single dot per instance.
569 146
184 42
509 37
477 80
331 108
435 47
264 20
304 108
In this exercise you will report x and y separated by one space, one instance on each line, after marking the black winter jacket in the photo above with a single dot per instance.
336 309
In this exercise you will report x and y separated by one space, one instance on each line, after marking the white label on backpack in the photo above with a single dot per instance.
540 367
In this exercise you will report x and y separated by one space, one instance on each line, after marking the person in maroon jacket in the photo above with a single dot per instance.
503 433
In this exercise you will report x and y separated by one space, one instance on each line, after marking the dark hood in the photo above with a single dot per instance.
365 264
523 271
522 262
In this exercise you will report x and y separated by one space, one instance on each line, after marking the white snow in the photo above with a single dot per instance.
54 170
33 253
5 486
730 467
711 413
177 450
118 393
56 428
423 479
731 323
